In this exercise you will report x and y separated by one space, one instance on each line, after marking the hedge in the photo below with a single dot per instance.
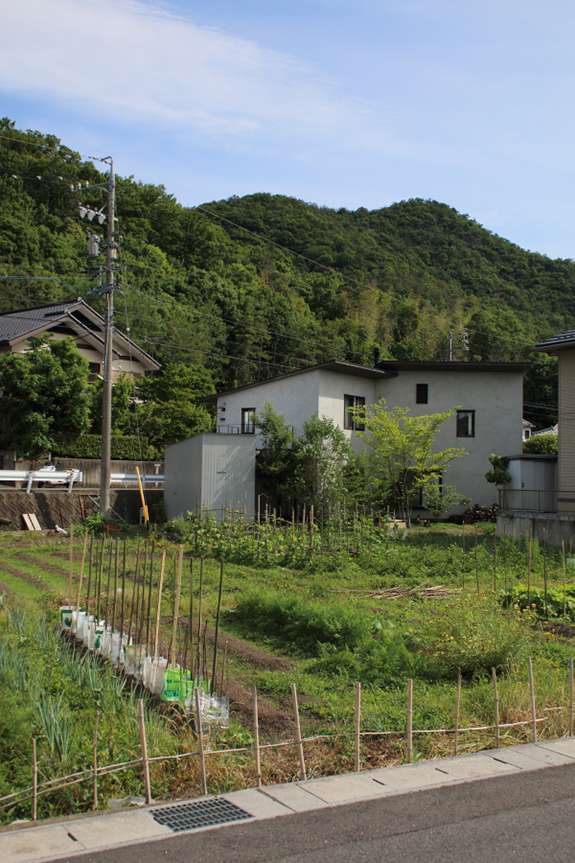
90 446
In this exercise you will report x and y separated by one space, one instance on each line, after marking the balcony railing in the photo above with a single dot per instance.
527 500
229 429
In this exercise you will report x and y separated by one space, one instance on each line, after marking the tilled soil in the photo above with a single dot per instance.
17 573
271 719
51 567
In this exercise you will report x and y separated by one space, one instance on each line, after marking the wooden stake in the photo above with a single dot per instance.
357 725
217 626
191 623
495 561
564 580
200 614
571 697
409 720
71 553
95 762
256 737
81 576
532 688
201 744
476 567
457 707
311 525
144 748
90 563
529 567
496 704
123 603
544 576
176 604
302 771
149 616
117 552
34 782
159 605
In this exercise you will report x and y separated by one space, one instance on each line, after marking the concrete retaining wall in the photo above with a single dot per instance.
552 527
58 507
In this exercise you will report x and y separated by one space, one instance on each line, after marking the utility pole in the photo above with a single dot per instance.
450 346
105 467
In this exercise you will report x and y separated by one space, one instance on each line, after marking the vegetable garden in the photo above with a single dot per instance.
425 614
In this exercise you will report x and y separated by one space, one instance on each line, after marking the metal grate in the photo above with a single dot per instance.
191 816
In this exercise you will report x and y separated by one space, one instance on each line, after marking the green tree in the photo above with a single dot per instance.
276 459
400 459
322 454
542 444
43 394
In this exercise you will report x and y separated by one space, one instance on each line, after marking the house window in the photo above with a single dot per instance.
95 368
465 423
421 394
349 421
248 420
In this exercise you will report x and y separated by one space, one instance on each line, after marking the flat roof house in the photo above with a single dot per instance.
488 396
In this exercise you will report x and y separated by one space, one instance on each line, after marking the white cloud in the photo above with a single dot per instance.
140 63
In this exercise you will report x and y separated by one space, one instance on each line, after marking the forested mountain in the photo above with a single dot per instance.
252 287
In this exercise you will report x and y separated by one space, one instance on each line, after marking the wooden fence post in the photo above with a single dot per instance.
357 726
34 781
144 748
496 705
409 720
256 737
298 733
571 697
457 707
95 761
201 744
532 688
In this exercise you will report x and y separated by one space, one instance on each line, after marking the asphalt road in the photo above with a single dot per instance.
528 817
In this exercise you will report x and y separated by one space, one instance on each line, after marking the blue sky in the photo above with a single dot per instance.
341 102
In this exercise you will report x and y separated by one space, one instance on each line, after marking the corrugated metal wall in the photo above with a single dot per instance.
212 471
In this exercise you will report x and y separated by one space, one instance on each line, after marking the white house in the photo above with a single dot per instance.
488 398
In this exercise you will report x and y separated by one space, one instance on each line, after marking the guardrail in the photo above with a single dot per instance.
54 477
133 478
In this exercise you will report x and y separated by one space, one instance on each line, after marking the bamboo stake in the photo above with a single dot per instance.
81 576
495 561
117 552
201 744
149 616
217 626
100 576
144 747
311 526
108 585
496 705
200 612
357 725
95 762
176 603
532 688
409 720
256 737
571 697
71 554
463 558
457 708
476 567
302 771
529 567
564 581
123 604
191 623
90 563
544 576
159 606
34 782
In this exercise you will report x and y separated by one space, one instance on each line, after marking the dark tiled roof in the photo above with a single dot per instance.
16 325
563 340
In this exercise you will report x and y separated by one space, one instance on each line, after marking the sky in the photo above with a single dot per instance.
344 103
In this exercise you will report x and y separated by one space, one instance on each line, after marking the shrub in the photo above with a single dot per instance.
90 446
473 634
300 625
542 444
545 603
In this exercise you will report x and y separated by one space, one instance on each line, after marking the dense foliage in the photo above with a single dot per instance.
252 287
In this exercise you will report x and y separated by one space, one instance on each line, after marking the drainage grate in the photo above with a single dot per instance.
191 816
